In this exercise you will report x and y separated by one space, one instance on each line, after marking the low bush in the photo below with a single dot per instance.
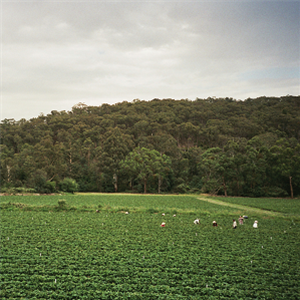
68 185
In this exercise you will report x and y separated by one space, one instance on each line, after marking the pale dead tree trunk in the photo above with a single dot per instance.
8 173
70 161
115 180
291 186
70 153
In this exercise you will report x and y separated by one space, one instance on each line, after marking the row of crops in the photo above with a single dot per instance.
76 254
288 206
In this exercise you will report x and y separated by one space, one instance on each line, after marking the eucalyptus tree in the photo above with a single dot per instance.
211 169
143 164
115 146
284 160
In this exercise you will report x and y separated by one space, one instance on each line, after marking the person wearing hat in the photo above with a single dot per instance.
197 221
255 225
215 224
163 224
241 220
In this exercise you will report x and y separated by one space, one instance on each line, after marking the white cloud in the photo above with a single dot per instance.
56 54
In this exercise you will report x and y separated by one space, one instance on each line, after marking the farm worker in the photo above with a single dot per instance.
234 224
255 225
163 224
197 221
163 214
215 224
241 220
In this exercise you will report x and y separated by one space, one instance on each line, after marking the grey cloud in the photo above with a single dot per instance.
56 54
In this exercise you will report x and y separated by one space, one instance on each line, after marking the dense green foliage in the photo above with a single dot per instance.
88 255
222 146
68 185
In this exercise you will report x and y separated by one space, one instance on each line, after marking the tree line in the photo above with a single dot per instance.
215 145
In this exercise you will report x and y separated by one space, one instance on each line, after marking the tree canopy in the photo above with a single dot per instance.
216 145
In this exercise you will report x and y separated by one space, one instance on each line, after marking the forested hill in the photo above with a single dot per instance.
224 146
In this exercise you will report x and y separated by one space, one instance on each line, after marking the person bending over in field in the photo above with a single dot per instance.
234 224
215 224
197 221
241 220
255 225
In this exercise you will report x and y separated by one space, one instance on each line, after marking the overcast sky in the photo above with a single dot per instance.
57 53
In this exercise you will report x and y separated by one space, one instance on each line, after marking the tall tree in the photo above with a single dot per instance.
143 164
114 149
211 170
285 161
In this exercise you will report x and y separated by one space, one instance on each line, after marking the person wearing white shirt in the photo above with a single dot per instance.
234 224
255 225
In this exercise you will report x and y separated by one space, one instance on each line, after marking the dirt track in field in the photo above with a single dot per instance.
243 207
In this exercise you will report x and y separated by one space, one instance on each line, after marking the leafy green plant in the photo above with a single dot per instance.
62 203
17 190
68 185
152 210
118 256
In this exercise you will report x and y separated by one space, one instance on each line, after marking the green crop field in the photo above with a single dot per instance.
69 251
289 206
114 203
